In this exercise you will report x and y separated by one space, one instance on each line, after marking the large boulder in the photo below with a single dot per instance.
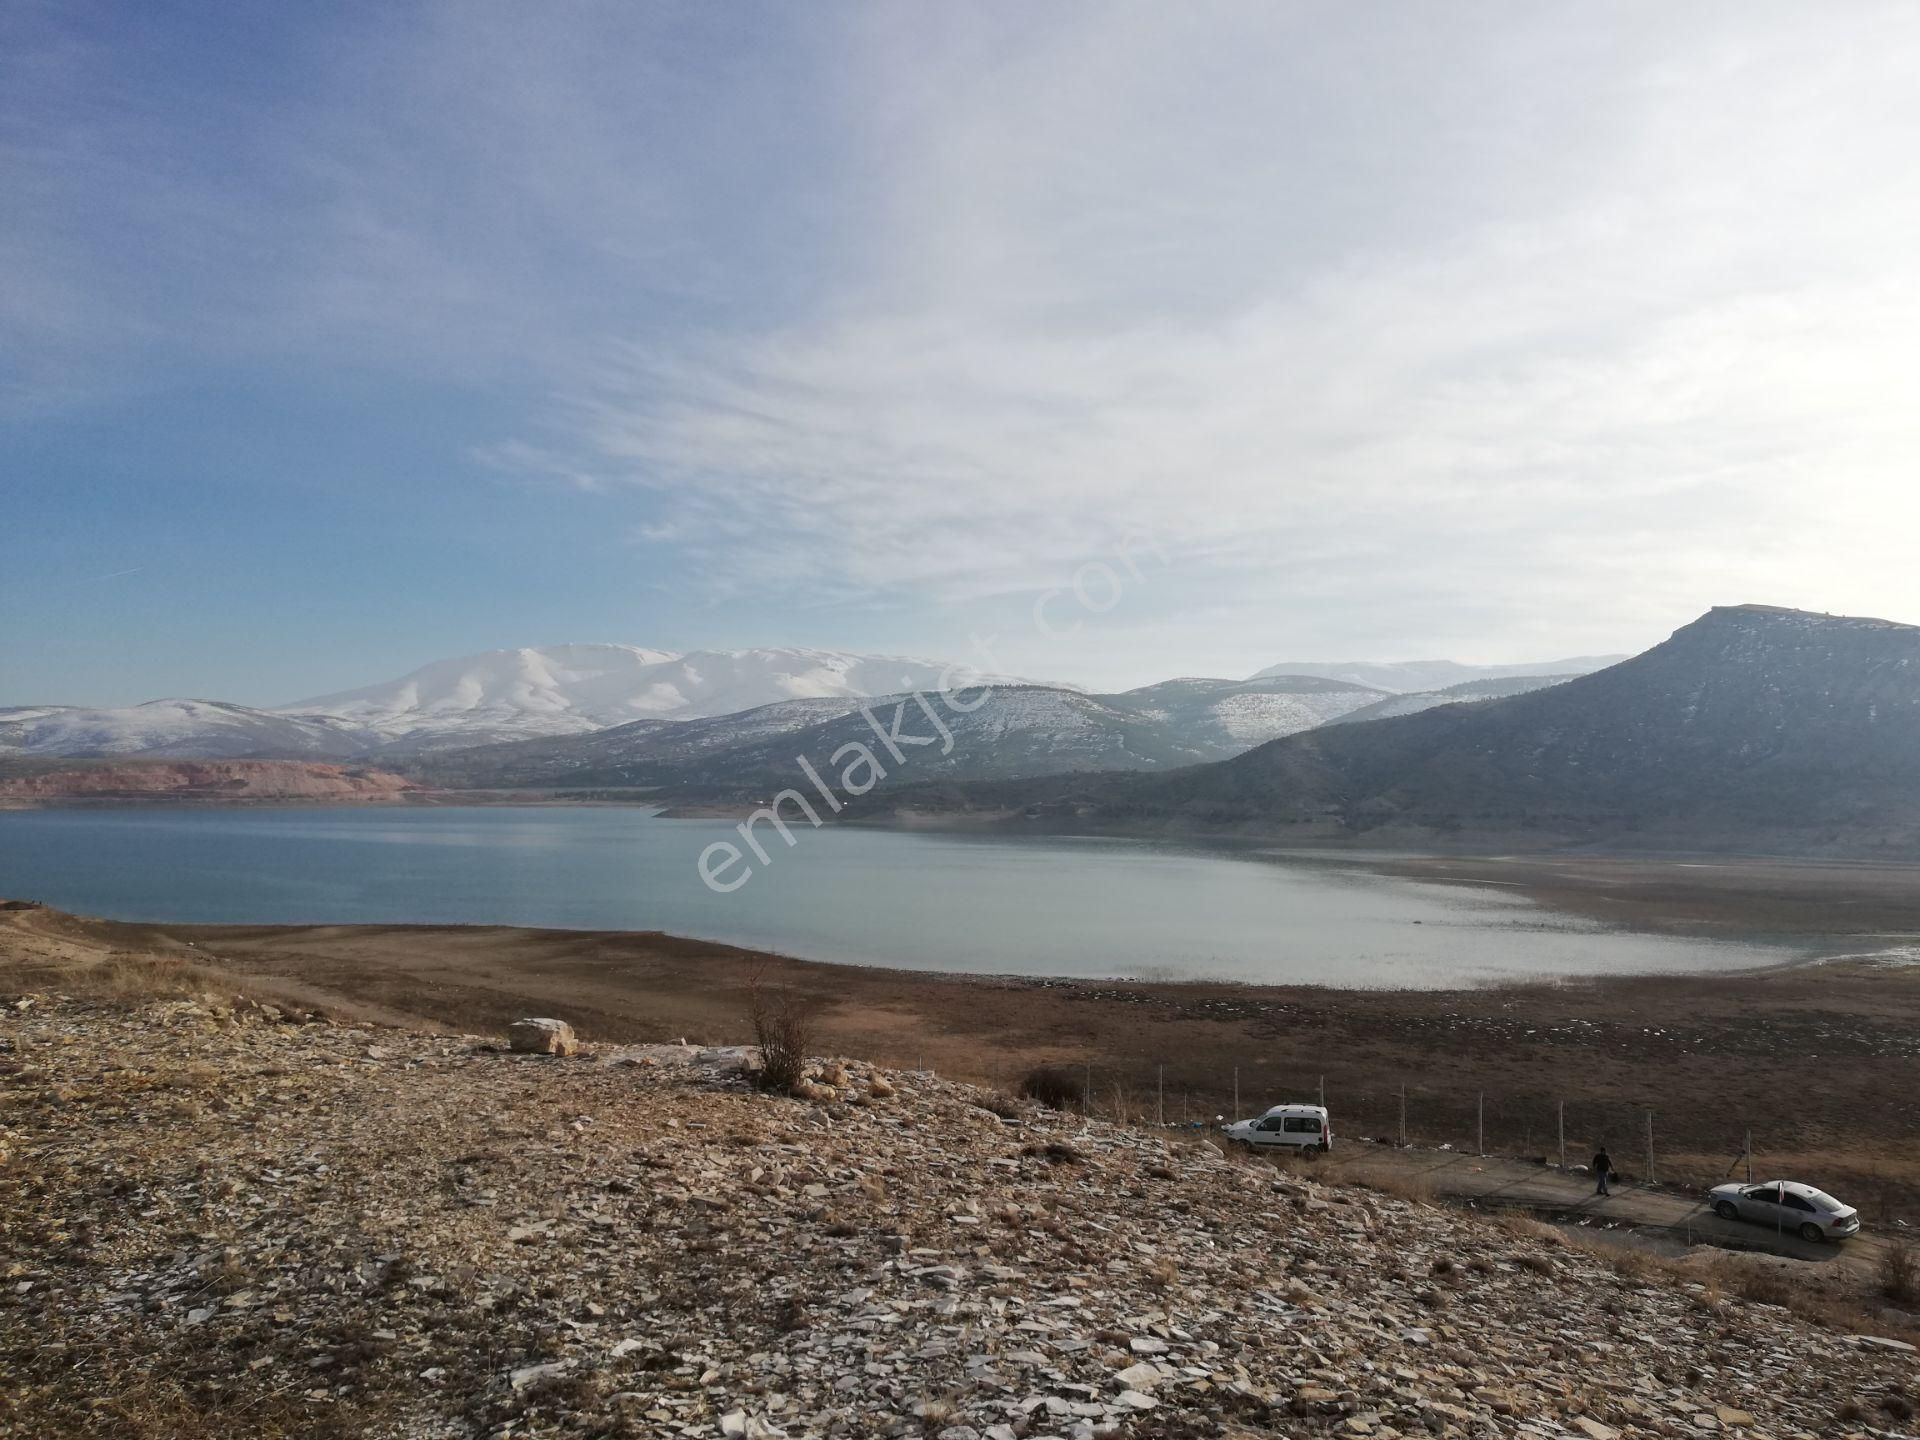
543 1037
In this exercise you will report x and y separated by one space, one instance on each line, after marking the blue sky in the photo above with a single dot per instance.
335 339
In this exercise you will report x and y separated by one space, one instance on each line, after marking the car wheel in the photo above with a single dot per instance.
1812 1232
1312 1152
1726 1209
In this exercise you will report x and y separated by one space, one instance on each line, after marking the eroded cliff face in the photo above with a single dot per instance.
226 780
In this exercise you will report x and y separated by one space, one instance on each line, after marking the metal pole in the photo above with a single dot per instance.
1649 1147
1749 1155
1323 1092
1160 1098
1403 1114
1483 1122
1236 1092
1563 1135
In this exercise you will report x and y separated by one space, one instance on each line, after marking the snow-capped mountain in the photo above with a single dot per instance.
1015 730
177 730
1401 677
572 689
1009 730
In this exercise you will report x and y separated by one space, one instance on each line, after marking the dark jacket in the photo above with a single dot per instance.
1603 1164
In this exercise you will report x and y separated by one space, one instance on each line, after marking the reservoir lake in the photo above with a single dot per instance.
1062 906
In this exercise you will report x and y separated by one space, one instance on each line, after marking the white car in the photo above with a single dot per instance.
1296 1127
1787 1205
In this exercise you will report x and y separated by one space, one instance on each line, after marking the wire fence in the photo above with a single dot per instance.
1688 1148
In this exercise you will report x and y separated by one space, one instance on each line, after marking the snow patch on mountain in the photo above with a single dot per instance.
177 730
571 689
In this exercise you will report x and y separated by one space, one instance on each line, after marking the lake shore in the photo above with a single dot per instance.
1822 1062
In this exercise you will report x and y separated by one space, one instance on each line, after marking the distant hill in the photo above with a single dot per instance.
177 730
1400 677
1465 693
219 782
1016 730
1752 728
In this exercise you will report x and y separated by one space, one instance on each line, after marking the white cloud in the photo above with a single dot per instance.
1443 330
1501 331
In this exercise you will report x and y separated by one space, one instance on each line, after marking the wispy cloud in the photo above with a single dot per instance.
1619 319
1505 333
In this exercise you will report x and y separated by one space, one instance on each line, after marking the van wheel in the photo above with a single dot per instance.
1312 1152
1726 1209
1812 1232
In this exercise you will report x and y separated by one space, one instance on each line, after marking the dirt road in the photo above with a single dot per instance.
1665 1218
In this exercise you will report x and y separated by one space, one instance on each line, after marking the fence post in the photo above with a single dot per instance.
1483 1122
1649 1147
1749 1155
1323 1092
1403 1114
1160 1098
1236 1092
1563 1136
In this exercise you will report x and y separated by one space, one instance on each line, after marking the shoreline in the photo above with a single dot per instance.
1711 1054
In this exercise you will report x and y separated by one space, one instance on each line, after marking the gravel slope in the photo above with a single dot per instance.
223 1219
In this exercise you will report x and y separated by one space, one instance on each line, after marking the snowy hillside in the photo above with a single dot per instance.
1402 677
176 730
1418 700
572 689
1223 717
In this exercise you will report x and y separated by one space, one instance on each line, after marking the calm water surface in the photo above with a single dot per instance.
1056 906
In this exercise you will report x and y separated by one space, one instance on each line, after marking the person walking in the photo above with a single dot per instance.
1602 1170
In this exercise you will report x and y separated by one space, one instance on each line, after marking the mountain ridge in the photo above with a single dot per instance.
1752 726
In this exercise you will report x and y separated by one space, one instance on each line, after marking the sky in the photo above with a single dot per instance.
1091 342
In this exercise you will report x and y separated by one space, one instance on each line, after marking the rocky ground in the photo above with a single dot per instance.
223 1218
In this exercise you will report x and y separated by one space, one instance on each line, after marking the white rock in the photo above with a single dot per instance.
542 1037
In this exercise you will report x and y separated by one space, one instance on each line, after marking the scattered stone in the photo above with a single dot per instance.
661 1249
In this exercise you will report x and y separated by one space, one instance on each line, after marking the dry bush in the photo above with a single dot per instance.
1763 1286
1416 1188
1056 1152
783 1029
1053 1087
994 1103
1900 1273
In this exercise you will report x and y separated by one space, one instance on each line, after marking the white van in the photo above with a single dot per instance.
1299 1127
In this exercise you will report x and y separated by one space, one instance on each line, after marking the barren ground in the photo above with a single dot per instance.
1821 1063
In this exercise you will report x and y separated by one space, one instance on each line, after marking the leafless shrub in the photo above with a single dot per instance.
1053 1087
783 1029
995 1103
1057 1152
1763 1287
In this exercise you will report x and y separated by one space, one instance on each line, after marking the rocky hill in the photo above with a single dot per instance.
222 781
226 1217
1753 728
